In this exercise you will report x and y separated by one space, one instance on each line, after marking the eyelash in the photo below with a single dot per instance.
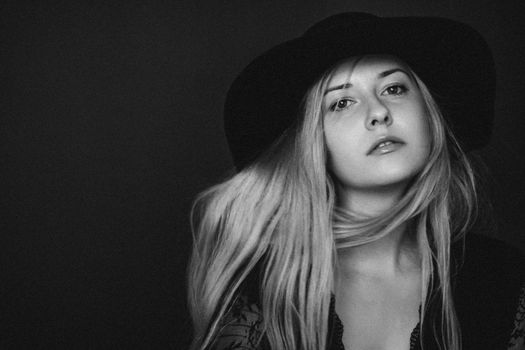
334 107
401 86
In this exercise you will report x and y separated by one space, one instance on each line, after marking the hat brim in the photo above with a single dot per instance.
451 58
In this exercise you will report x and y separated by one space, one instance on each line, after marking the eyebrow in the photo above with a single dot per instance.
338 87
379 76
392 71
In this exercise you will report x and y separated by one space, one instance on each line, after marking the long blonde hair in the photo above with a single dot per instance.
278 213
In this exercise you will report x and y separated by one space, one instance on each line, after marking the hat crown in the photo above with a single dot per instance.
342 19
450 57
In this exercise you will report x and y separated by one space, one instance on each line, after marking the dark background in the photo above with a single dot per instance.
111 125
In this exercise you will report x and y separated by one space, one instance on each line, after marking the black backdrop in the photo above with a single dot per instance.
112 124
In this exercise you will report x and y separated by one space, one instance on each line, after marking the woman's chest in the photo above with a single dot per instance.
378 315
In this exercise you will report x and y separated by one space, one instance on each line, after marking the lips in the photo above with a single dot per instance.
385 144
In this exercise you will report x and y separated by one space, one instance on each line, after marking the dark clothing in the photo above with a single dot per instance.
489 297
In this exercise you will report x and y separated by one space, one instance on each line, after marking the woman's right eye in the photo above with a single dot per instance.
341 104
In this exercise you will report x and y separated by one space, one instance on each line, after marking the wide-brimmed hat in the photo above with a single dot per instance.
451 58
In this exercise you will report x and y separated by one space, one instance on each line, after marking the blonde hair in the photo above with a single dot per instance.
279 213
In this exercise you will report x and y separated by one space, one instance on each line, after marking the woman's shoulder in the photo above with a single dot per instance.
480 241
489 269
488 284
241 327
490 257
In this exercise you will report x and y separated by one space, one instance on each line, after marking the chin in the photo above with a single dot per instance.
392 173
393 178
398 170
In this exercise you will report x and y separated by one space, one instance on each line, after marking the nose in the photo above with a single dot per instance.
378 114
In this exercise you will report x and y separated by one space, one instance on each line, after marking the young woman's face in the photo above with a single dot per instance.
375 124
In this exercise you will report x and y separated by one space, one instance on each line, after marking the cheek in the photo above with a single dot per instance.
422 122
422 142
341 142
343 157
413 122
424 132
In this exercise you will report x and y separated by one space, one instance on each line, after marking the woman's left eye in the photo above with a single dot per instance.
395 90
342 104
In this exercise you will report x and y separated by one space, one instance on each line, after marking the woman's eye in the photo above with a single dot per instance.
341 104
395 90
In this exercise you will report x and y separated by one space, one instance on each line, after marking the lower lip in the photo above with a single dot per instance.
387 149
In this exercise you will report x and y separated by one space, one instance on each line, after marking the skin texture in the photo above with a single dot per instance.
357 117
378 284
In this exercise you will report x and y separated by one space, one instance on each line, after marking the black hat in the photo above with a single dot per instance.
451 58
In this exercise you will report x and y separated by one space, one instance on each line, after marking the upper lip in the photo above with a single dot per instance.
384 139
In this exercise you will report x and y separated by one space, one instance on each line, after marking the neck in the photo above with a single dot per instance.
395 253
369 202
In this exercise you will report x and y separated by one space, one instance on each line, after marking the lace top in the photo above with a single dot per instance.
489 298
241 328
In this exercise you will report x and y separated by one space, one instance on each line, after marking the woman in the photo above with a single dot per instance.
344 225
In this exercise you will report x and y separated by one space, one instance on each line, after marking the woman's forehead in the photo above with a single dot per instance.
370 63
